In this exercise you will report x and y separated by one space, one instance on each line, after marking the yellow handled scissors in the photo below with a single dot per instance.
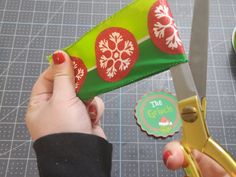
190 85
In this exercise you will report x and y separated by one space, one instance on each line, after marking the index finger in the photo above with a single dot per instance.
44 84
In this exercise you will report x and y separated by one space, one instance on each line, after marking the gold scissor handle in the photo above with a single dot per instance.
216 152
191 167
196 136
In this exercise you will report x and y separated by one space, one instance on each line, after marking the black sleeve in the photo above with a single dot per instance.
73 155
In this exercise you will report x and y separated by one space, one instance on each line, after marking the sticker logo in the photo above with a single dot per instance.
165 122
157 114
80 72
116 52
162 29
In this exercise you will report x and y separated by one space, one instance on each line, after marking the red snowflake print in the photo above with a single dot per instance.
80 72
162 29
116 52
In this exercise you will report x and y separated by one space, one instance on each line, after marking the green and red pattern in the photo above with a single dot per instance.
162 29
80 72
137 42
116 53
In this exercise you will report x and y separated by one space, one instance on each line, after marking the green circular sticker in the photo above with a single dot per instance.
157 114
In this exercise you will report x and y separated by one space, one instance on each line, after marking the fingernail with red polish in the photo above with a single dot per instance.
92 110
92 113
166 156
58 58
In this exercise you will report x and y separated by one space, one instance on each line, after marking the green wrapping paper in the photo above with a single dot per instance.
138 41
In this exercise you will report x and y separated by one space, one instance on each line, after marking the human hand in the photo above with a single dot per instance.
55 108
173 158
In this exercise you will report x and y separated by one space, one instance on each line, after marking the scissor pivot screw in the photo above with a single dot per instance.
189 114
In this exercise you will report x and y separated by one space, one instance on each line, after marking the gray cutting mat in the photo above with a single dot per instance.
30 30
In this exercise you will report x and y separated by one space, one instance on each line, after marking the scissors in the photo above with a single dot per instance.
190 85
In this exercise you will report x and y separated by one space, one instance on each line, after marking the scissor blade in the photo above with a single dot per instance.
199 45
183 81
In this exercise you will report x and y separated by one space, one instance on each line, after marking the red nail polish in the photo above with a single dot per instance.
166 155
92 113
92 109
58 58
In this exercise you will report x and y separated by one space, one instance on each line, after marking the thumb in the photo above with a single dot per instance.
64 82
208 166
173 156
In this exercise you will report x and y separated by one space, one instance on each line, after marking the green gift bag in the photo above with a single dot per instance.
138 41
